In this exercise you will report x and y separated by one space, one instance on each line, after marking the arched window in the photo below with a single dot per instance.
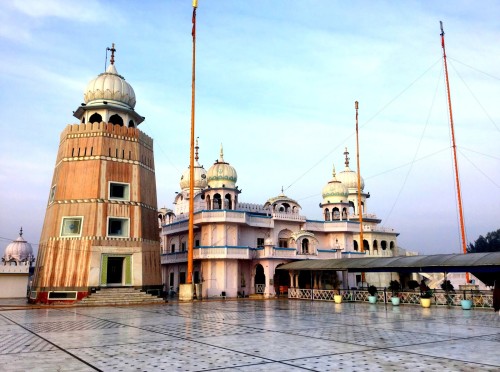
95 118
391 246
355 245
335 214
131 124
217 203
116 119
305 246
344 213
327 214
366 245
228 204
375 245
383 244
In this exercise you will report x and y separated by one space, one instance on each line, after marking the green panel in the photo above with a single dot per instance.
104 269
128 270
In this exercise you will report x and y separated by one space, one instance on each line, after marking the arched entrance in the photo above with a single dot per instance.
281 281
260 279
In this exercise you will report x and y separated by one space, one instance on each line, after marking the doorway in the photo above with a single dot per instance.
115 271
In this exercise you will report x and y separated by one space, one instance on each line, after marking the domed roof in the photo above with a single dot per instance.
280 199
109 86
200 174
19 250
349 177
335 191
221 174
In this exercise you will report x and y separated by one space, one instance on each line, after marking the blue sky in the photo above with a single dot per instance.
276 84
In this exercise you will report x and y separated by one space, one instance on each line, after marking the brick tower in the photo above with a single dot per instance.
100 227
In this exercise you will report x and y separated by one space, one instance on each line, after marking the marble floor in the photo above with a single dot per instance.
247 335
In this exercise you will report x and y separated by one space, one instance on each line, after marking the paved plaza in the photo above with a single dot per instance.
248 335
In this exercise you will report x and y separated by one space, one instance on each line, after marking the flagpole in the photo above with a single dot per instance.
360 210
189 278
454 147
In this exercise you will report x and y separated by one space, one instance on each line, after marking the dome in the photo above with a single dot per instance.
200 177
200 174
19 250
349 177
109 86
335 191
221 174
282 203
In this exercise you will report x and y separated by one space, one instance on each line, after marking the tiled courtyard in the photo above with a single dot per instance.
246 335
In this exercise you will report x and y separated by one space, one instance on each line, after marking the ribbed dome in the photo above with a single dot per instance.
19 250
335 191
200 177
349 177
280 199
221 174
109 86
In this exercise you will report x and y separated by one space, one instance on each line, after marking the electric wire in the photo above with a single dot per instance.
478 169
343 141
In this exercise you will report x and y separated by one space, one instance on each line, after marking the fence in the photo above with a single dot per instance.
480 299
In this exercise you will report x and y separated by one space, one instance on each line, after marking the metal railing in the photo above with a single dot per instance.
260 288
480 299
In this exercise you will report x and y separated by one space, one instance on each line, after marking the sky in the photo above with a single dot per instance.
276 83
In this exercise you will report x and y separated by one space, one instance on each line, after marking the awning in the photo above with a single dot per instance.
471 262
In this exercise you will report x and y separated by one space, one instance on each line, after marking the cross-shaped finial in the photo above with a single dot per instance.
113 50
346 153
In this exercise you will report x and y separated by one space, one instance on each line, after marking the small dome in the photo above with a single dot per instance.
19 250
200 174
349 177
221 174
109 86
335 191
282 203
200 177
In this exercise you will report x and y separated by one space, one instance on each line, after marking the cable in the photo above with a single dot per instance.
479 170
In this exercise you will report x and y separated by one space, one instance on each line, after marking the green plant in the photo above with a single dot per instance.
394 287
413 284
372 290
447 286
427 294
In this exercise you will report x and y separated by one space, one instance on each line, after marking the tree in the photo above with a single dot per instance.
490 243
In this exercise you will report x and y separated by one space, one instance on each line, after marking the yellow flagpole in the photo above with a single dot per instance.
454 146
189 278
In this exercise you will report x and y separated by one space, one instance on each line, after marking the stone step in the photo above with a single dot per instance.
120 296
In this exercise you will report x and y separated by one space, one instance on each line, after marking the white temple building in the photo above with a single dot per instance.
238 246
17 261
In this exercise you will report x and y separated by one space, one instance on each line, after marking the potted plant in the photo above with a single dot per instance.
425 297
448 287
337 296
465 303
372 298
395 287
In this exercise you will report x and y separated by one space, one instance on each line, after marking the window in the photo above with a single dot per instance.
118 227
52 194
283 243
172 248
71 226
197 243
183 247
260 242
119 191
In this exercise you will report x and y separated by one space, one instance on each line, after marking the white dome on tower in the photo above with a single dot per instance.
221 174
334 191
109 86
19 250
200 174
349 177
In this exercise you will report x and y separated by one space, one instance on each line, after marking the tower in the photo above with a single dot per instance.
100 227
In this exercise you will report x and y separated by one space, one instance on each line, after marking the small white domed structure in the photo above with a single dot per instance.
200 175
334 191
19 251
349 177
109 86
221 174
282 204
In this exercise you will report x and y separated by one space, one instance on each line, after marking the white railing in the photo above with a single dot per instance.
221 252
288 216
480 299
284 253
260 288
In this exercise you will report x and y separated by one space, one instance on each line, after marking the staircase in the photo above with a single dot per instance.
120 297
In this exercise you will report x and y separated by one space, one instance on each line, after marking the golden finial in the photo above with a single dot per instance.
221 158
113 50
196 149
346 153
